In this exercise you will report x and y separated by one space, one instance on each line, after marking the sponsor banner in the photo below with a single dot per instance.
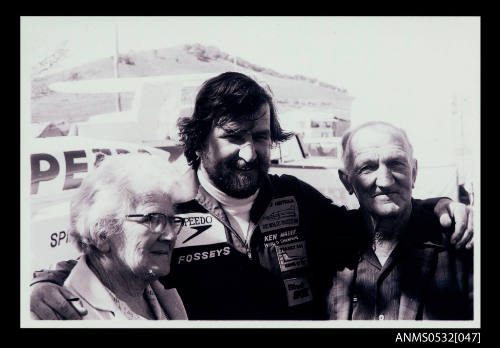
298 291
49 239
59 165
291 256
200 229
281 213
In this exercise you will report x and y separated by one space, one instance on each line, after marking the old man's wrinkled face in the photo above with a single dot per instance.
382 172
237 154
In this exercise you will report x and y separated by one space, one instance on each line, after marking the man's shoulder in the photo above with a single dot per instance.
185 187
289 185
426 229
282 177
422 216
288 181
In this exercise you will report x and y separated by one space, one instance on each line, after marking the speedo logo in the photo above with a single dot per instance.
200 229
197 220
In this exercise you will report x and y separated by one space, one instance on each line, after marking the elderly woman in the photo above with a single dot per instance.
122 221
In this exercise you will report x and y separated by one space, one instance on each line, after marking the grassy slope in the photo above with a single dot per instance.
51 106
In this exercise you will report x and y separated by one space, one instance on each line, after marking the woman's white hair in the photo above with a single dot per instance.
114 189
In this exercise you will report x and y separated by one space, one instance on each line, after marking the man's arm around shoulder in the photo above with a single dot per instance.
56 276
49 300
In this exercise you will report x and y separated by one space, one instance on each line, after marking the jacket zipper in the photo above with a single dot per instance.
249 237
244 243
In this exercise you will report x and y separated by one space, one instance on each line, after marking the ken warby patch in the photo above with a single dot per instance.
281 213
281 237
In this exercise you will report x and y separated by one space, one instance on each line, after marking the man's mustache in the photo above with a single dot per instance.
241 164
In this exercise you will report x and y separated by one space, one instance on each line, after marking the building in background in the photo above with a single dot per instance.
320 125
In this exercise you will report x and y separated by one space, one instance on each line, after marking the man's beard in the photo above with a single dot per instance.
235 177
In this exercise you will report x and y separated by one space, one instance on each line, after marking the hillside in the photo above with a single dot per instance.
290 92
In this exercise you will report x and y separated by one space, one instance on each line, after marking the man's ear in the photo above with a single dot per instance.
345 181
102 242
414 172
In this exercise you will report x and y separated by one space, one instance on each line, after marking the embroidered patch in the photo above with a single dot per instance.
298 291
200 229
281 237
291 256
281 213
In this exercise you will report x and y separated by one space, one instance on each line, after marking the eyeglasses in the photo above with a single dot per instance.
158 221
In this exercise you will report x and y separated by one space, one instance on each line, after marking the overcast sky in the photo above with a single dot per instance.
397 68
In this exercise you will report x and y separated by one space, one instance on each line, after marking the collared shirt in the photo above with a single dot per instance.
100 302
376 293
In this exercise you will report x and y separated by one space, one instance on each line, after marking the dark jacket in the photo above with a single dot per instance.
271 276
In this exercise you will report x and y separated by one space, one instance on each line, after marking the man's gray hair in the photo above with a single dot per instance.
346 140
114 189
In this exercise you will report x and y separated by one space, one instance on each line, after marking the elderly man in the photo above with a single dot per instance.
408 270
254 245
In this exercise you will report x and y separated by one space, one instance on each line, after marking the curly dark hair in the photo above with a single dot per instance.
227 97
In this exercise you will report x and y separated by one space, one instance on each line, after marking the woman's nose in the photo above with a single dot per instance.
167 235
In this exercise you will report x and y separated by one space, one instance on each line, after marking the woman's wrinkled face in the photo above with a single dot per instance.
143 250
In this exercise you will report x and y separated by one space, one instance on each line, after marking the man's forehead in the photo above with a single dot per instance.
371 138
258 121
380 153
246 126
